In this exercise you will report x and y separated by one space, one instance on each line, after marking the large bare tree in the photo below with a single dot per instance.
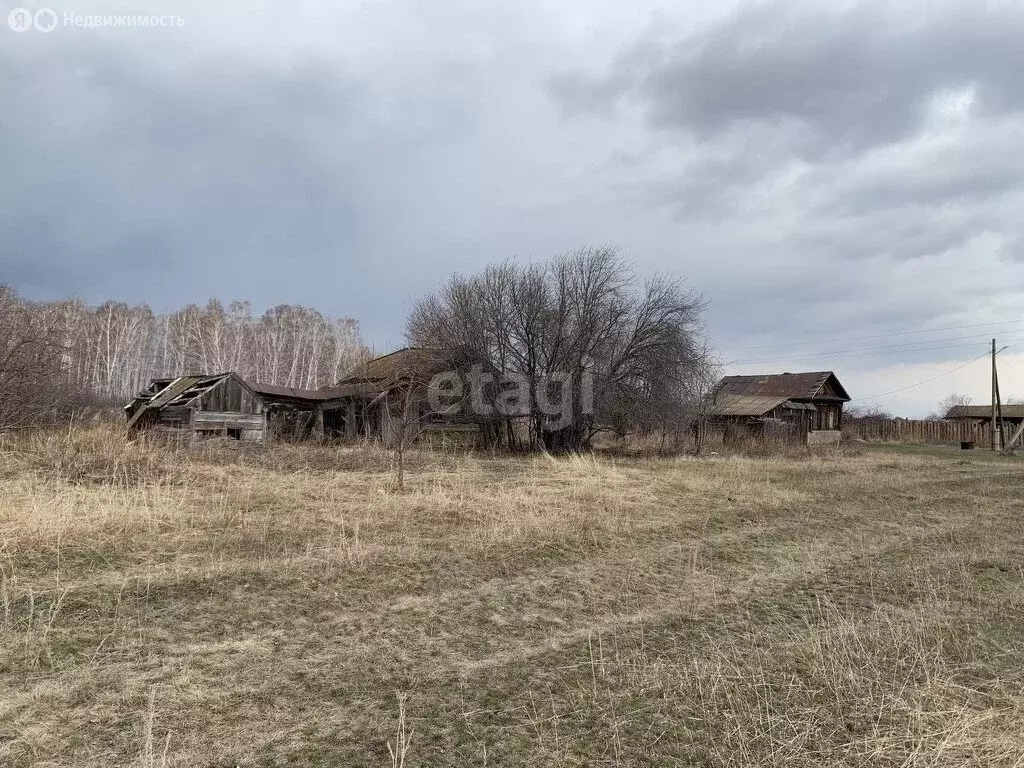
587 343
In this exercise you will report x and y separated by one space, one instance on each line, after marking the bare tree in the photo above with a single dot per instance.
405 408
34 387
596 347
870 412
683 408
403 422
951 400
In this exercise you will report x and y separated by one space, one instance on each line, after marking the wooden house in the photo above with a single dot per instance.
806 406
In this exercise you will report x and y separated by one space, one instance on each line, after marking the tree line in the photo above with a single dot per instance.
56 356
586 343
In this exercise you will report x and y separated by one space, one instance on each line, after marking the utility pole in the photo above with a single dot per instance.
999 413
997 406
991 425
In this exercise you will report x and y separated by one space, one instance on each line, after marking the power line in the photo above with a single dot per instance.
1011 367
918 342
919 383
883 335
896 349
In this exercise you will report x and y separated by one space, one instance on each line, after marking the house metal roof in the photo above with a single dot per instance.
292 392
801 386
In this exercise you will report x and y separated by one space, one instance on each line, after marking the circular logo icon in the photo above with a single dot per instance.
20 20
45 20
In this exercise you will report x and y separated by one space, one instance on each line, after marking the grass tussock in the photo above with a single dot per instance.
221 605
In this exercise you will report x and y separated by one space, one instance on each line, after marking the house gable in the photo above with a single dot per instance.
831 387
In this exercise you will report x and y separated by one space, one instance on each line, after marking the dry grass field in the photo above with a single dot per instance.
288 608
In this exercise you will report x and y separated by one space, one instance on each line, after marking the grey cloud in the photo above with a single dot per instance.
850 80
975 170
816 135
209 167
130 179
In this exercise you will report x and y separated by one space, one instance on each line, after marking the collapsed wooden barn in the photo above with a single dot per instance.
371 401
218 404
797 406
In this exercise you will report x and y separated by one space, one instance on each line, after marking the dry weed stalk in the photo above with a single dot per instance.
403 738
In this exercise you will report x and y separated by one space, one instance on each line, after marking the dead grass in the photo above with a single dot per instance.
287 607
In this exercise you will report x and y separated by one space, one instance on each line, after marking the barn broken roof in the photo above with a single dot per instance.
169 393
788 386
410 362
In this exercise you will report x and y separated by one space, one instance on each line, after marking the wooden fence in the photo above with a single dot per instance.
915 431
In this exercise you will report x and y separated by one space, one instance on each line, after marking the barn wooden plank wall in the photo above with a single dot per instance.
920 431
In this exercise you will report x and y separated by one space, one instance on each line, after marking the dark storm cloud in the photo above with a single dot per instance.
776 88
115 167
167 170
860 166
838 81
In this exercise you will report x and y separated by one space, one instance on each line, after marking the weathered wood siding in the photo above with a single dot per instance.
828 416
175 418
230 395
227 420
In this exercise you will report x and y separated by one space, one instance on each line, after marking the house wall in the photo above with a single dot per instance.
224 420
779 424
830 412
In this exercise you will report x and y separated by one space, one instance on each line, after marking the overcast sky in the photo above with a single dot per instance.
842 182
